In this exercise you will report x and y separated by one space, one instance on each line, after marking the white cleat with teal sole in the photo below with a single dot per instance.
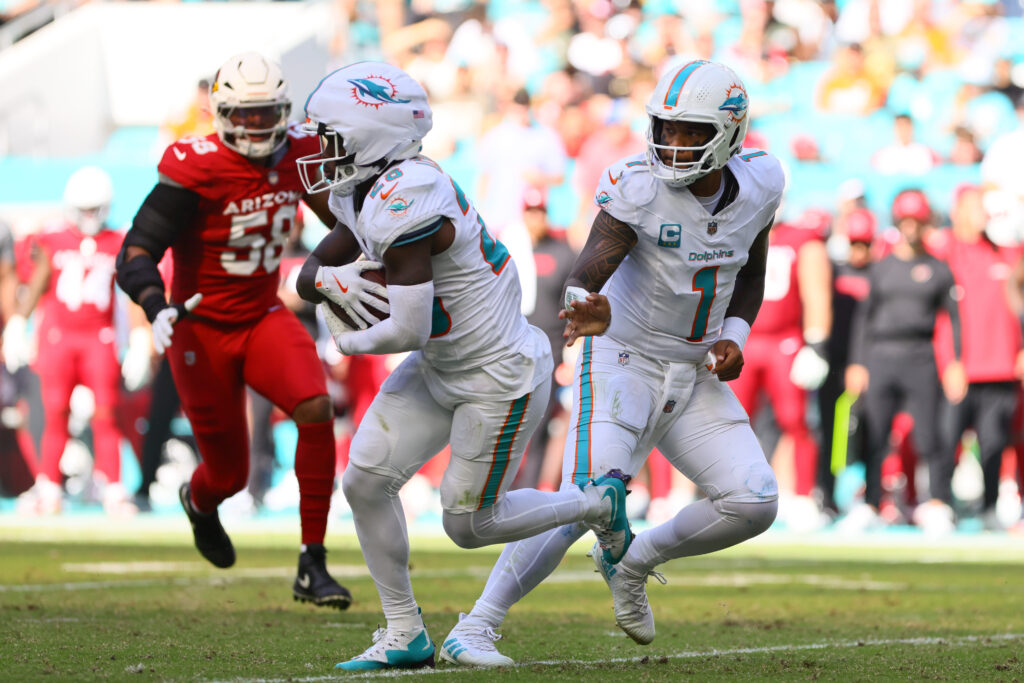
629 593
471 644
394 650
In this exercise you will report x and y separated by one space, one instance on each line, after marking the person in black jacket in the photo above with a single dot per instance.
892 362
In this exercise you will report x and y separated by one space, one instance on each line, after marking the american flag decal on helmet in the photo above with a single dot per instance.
418 113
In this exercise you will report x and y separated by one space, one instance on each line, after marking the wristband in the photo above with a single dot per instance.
737 330
574 294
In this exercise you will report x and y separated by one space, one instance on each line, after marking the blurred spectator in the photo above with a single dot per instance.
543 271
850 286
608 143
991 343
965 150
17 455
848 88
805 148
784 355
1008 79
904 156
516 154
197 118
76 342
893 363
1004 184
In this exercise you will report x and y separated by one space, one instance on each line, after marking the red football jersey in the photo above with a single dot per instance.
232 251
781 311
80 296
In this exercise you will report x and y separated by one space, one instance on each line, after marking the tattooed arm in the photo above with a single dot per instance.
609 242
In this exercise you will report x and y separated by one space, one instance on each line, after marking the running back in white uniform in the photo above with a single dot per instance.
670 293
475 274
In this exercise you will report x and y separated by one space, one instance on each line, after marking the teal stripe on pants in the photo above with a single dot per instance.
581 470
503 450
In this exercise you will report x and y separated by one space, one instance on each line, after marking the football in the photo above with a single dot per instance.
378 276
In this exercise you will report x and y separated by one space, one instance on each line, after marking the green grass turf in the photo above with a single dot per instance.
84 605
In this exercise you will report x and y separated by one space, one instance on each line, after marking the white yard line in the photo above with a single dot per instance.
793 647
729 580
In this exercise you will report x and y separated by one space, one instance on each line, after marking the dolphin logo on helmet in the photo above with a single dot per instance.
374 91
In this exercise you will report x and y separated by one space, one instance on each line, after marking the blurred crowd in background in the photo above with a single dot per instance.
881 112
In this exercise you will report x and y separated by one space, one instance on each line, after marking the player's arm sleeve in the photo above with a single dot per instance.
618 192
609 242
950 302
156 226
748 292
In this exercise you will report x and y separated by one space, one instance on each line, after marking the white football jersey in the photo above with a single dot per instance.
476 313
669 295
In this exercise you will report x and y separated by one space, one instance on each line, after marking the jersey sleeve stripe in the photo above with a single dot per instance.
419 233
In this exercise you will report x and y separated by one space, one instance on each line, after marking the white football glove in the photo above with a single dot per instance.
136 365
808 370
335 326
16 345
163 324
345 286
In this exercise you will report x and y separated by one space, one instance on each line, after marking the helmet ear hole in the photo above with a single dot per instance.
735 134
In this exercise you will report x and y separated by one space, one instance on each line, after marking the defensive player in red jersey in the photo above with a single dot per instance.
224 204
76 338
786 348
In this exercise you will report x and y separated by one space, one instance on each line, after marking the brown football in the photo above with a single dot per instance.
378 276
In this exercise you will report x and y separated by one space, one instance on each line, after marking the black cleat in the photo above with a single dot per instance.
212 541
314 584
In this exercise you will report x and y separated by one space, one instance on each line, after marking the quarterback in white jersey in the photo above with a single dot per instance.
478 375
663 295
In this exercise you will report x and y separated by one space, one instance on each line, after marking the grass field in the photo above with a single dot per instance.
135 602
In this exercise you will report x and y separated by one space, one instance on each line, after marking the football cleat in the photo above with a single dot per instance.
615 534
468 645
629 594
394 650
212 541
314 584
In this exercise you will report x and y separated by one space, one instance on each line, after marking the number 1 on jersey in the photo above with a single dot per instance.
705 280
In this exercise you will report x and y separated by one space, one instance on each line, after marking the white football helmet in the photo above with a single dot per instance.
367 115
249 97
703 92
87 196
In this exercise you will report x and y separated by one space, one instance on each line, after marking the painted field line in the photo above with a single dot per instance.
730 580
794 647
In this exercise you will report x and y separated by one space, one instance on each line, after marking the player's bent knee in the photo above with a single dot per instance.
363 486
459 527
750 518
313 410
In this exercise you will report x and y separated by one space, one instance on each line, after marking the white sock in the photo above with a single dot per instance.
520 569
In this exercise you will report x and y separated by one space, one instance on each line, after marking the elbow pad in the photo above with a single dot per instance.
407 329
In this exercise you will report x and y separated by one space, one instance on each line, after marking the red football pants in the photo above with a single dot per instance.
276 357
67 359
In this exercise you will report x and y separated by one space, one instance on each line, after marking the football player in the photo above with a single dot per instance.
478 376
224 205
76 339
663 296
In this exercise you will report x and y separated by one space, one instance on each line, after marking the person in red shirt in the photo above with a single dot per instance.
991 339
76 339
784 355
225 204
